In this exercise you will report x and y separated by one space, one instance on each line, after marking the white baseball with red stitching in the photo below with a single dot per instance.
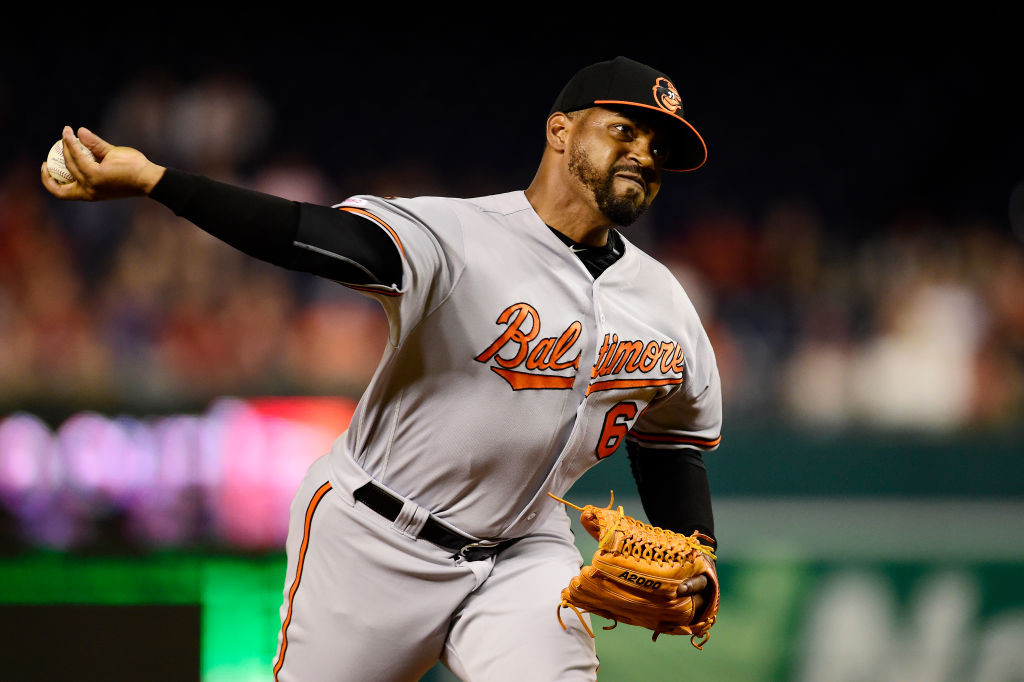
55 162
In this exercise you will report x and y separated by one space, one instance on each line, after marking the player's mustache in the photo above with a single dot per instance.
646 174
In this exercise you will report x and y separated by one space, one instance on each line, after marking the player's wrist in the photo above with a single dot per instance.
149 176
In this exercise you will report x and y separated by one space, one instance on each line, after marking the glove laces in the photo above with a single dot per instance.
643 540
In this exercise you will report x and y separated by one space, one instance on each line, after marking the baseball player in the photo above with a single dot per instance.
528 340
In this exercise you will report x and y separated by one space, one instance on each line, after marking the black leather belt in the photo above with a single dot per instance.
389 506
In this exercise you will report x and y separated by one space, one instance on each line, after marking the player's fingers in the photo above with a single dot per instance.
67 192
77 155
94 143
73 157
697 583
698 604
49 183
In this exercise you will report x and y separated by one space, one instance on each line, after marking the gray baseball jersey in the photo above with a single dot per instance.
510 370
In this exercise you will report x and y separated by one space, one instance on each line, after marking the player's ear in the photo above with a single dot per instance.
558 127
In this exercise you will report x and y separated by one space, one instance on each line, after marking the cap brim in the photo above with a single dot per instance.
681 160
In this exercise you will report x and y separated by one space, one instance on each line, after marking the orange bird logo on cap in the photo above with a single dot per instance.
666 96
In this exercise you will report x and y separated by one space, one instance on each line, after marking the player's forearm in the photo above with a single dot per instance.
298 236
260 225
674 489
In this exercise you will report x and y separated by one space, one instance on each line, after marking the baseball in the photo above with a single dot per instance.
55 162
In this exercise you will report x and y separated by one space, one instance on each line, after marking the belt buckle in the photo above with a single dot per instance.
467 552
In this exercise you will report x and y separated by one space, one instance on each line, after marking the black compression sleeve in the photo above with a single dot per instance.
673 487
258 224
344 247
315 239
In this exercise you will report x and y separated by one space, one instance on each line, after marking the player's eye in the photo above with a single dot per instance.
623 129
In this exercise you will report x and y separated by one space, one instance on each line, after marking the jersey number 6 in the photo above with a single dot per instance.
615 428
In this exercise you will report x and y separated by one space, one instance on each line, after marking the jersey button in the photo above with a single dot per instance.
531 516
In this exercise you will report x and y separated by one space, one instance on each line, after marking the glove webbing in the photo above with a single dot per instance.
643 540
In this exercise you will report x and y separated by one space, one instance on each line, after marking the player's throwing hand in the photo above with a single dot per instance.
117 172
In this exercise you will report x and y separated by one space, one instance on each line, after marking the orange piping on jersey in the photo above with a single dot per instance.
372 290
523 380
377 220
656 438
630 383
313 503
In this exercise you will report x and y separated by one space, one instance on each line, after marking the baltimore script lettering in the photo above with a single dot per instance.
528 362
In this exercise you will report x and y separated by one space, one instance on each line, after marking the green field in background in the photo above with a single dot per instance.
239 597
781 616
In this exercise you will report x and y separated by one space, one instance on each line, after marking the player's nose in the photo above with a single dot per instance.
642 152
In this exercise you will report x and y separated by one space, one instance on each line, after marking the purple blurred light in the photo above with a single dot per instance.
237 467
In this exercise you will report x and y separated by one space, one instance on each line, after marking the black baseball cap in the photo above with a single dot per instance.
623 82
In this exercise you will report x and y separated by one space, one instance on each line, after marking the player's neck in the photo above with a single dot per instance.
568 213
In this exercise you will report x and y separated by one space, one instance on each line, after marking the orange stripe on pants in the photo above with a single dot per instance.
310 510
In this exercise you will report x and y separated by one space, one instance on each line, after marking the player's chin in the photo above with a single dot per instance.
630 200
623 211
631 189
636 197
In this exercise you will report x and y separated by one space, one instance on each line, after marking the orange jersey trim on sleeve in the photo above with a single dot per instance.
675 440
310 510
391 230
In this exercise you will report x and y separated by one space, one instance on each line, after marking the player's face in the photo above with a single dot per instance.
617 157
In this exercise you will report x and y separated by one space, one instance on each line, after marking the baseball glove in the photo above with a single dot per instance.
636 572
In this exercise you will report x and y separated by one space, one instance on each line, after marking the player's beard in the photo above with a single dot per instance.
621 209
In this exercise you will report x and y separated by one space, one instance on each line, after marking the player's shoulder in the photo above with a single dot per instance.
370 201
507 203
504 204
434 213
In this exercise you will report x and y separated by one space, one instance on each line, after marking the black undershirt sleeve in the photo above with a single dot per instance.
674 490
299 236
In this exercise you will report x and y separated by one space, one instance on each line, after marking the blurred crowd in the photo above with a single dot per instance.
917 323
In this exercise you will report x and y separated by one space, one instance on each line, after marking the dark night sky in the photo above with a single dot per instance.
867 125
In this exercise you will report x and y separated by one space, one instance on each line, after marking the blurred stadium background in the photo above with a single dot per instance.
854 246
